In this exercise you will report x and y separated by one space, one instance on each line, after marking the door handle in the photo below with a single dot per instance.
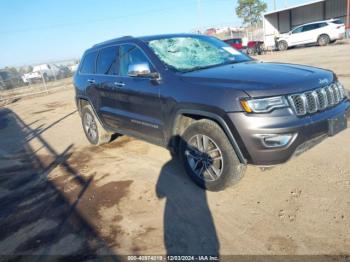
120 84
91 81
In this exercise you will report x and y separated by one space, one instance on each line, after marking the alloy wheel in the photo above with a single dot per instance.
204 157
90 126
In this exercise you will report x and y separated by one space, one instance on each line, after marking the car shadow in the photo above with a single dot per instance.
36 217
189 228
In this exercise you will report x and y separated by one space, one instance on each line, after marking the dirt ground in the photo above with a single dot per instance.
59 195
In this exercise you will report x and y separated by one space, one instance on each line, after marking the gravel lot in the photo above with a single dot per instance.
59 195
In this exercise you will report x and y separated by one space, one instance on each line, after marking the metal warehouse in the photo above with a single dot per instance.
283 20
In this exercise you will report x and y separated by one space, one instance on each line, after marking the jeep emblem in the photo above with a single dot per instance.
323 81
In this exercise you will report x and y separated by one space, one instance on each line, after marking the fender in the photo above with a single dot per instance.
80 97
222 124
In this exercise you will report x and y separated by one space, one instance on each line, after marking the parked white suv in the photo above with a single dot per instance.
322 33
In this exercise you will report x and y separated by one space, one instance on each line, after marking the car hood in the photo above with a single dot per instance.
262 79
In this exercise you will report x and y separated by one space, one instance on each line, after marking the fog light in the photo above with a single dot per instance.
276 140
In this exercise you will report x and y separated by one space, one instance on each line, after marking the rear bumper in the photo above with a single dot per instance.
307 131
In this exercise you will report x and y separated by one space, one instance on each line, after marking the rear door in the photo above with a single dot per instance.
106 76
86 83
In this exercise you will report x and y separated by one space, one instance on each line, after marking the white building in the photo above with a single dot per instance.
283 20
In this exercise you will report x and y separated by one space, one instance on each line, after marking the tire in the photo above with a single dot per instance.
250 51
92 127
219 166
323 40
282 45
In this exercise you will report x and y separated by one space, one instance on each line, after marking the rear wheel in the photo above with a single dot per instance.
208 156
323 40
282 45
93 129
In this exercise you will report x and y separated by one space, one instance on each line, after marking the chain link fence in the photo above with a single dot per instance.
17 83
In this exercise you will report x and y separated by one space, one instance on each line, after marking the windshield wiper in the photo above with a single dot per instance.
196 68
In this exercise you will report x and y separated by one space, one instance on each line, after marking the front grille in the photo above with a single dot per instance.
316 100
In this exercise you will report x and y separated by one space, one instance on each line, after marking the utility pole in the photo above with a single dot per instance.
274 4
199 12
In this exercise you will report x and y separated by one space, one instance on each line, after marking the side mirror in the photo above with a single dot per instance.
141 70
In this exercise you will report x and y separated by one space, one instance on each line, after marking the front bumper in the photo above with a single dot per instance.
308 131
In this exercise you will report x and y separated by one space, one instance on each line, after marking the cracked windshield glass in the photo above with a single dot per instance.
193 53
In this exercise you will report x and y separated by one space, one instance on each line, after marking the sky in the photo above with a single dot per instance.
37 31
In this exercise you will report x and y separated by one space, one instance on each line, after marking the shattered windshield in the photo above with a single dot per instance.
193 53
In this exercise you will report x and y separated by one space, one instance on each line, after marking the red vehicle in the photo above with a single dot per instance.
235 43
255 47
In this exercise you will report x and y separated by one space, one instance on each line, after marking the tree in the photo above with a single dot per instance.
250 11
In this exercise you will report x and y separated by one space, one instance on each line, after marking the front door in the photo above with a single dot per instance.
138 97
296 36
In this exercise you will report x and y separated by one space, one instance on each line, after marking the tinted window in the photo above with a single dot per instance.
310 27
322 24
131 54
234 41
88 66
338 22
106 61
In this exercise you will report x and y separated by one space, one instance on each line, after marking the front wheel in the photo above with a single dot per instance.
208 157
282 45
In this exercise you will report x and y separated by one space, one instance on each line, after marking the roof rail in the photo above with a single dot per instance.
114 40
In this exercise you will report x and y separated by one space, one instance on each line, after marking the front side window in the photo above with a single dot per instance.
88 66
129 55
297 30
194 53
107 61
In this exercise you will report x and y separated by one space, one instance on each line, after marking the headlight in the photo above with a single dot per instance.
263 105
343 89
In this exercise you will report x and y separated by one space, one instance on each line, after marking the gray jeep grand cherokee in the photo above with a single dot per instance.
217 108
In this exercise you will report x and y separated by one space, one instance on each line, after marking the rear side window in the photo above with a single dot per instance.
338 22
88 66
107 61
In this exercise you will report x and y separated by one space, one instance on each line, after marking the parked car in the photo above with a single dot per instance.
217 108
321 33
9 80
235 43
32 77
64 72
73 68
255 48
48 72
